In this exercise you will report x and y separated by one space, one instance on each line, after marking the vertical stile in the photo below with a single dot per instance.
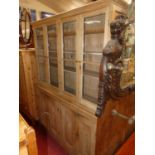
79 56
60 55
46 54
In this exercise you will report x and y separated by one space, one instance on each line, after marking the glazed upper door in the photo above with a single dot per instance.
92 53
69 56
41 54
53 57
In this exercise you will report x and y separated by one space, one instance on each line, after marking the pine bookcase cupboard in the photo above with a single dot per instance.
68 53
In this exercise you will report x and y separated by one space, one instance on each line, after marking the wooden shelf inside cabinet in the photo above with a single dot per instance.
69 69
91 63
93 53
69 51
69 60
53 35
53 64
39 37
53 58
91 73
94 31
69 33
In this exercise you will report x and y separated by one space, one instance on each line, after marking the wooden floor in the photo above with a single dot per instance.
128 148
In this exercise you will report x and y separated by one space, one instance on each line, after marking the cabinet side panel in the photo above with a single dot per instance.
22 86
27 81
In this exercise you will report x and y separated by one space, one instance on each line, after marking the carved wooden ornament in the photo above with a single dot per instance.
112 66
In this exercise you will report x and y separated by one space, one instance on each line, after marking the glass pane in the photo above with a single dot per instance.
94 43
53 72
69 65
70 83
91 69
93 38
92 55
42 68
52 41
39 41
69 57
95 23
90 82
69 40
90 88
52 46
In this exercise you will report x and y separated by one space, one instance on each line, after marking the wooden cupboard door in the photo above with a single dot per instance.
86 136
69 120
55 117
53 108
39 102
59 125
44 115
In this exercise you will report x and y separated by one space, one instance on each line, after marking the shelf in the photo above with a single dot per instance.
91 73
95 31
53 58
93 53
51 35
52 51
69 60
69 33
69 69
69 51
91 63
53 65
41 56
39 37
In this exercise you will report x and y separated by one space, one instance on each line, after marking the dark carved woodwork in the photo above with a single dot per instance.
111 65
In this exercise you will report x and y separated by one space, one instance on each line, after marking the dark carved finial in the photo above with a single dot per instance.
111 65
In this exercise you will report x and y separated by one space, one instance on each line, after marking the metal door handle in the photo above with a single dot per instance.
129 119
